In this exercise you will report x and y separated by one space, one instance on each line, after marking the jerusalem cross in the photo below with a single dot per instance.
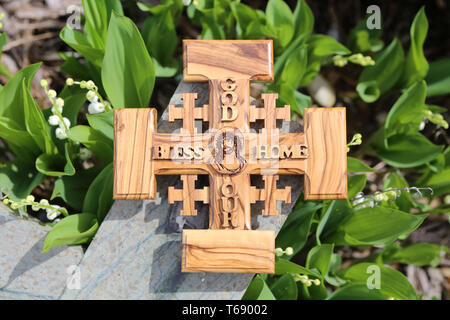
229 152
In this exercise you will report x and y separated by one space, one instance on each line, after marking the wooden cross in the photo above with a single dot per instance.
229 152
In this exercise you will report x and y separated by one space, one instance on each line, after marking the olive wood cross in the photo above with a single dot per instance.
229 152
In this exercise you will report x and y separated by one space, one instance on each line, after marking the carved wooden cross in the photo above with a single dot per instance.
229 152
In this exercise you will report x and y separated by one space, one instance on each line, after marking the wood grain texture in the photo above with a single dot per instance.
133 171
235 251
219 59
326 168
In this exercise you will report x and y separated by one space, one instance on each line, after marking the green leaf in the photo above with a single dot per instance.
396 181
295 67
438 78
336 213
356 291
280 16
128 74
407 113
18 178
73 189
319 257
102 122
19 141
320 47
55 165
303 19
406 151
377 226
74 99
74 229
416 67
258 290
244 16
94 140
381 77
295 230
356 165
285 288
439 182
161 48
11 96
356 184
36 124
80 43
99 197
418 254
283 266
392 282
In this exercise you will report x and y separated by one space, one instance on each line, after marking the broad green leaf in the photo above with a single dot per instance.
102 122
407 113
303 19
320 46
336 213
295 230
319 257
97 15
18 178
392 282
381 77
244 16
36 124
283 266
356 291
356 184
295 67
55 165
416 67
439 182
377 226
285 288
80 43
11 95
280 16
406 151
74 99
438 78
73 189
128 74
418 254
356 165
19 140
98 198
258 290
396 181
94 140
74 229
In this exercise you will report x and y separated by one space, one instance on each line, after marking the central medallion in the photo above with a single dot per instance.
227 149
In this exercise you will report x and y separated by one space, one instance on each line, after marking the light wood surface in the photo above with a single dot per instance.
235 251
229 152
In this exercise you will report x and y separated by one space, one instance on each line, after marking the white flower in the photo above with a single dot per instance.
66 122
289 251
51 93
53 213
59 103
59 109
44 83
44 202
69 82
279 252
96 107
35 208
92 96
60 133
53 120
30 198
90 85
85 154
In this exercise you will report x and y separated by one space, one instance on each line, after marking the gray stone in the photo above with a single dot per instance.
25 272
136 253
